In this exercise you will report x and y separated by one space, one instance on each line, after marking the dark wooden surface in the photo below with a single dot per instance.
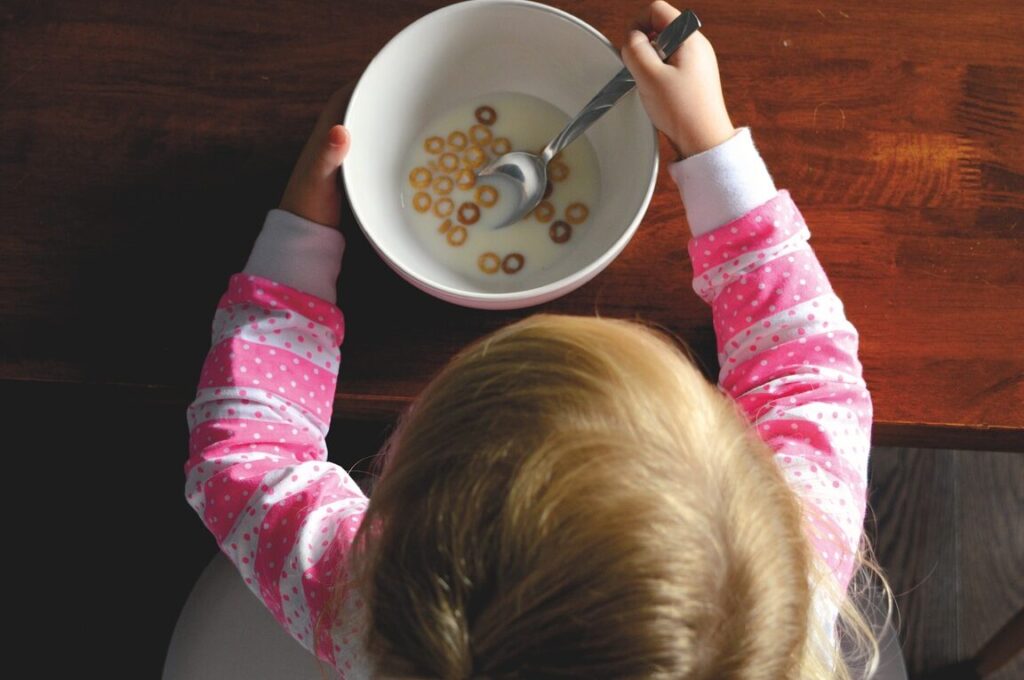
949 531
141 144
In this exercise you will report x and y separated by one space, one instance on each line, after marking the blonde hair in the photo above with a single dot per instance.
571 498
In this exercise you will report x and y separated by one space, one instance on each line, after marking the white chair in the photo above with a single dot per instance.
225 633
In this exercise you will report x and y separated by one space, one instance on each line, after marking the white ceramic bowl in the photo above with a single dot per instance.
467 50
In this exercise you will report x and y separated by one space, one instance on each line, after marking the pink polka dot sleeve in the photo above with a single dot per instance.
788 356
257 471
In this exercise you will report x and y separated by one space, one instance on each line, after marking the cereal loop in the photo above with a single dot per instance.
486 115
434 145
486 195
443 185
466 179
457 235
443 207
458 140
474 156
420 178
449 162
481 134
501 145
469 213
560 231
421 201
512 263
544 211
576 213
445 226
489 263
558 170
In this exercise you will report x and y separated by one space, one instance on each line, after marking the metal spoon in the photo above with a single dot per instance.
528 174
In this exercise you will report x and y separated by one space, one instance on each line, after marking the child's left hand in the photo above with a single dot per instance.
313 191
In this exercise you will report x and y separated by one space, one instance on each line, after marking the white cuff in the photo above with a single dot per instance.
298 253
723 183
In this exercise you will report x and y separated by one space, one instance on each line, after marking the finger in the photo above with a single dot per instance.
640 58
332 152
655 18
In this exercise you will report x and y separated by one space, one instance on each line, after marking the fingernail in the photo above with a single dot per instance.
336 136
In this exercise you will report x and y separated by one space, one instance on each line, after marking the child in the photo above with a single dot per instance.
569 497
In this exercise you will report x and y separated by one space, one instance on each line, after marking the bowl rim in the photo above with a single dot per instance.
512 299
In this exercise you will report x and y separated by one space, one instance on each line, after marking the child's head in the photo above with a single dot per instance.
571 498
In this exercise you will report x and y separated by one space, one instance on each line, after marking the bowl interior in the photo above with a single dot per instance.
471 49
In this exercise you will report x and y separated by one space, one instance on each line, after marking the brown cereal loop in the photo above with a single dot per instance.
474 156
443 207
443 185
501 145
548 188
434 145
466 179
458 140
512 263
576 213
560 231
457 235
481 134
486 115
469 213
449 162
489 263
420 178
486 195
445 226
558 170
544 212
421 201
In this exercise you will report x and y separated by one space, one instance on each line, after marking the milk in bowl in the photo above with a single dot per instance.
452 212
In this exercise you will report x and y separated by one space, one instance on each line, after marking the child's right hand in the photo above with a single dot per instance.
683 96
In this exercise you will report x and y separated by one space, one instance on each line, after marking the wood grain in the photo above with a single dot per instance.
948 529
142 143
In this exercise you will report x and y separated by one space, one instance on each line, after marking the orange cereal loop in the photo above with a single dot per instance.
421 201
486 115
443 185
557 170
486 195
458 140
445 226
501 145
443 207
512 263
576 213
457 235
420 178
474 156
466 179
469 213
544 211
481 134
449 162
560 231
434 145
489 263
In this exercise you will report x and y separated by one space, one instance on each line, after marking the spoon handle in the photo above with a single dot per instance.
668 42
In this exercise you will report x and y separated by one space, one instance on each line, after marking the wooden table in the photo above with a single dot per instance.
142 143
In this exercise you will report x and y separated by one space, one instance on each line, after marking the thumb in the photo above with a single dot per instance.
640 58
333 150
